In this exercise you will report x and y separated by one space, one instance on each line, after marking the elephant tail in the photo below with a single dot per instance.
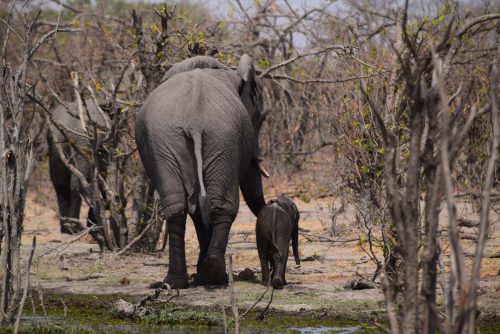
204 200
295 244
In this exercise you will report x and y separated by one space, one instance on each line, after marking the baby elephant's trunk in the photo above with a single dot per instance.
295 244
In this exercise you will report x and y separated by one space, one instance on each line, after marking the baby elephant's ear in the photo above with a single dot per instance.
294 209
246 69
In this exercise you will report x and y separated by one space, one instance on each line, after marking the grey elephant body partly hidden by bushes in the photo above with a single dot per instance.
67 185
197 135
277 224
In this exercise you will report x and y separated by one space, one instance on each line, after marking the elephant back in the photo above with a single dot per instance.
200 62
288 206
272 220
69 119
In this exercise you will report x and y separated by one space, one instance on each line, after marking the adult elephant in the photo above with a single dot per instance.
197 135
66 184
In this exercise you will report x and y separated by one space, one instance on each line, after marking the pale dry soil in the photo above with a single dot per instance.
316 285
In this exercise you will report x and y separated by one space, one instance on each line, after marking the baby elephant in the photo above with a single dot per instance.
277 223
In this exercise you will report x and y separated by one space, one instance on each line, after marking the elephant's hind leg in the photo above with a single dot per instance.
284 269
177 272
264 268
61 180
204 234
215 264
75 205
69 209
279 280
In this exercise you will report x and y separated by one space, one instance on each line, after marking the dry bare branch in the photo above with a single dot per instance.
470 291
232 296
26 286
339 49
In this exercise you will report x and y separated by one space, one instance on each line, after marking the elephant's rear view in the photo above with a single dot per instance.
197 134
277 224
66 184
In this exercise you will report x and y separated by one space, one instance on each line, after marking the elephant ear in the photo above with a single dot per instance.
292 209
250 92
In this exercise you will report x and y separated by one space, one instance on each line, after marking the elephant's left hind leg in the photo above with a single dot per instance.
285 261
177 272
70 213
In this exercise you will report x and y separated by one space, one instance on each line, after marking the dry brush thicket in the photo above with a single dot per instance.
366 99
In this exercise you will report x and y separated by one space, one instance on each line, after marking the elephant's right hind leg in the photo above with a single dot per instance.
214 266
177 272
74 208
277 265
204 234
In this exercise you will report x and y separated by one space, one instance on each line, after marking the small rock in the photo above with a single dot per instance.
126 309
246 275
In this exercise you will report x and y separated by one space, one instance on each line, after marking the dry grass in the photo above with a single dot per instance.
317 284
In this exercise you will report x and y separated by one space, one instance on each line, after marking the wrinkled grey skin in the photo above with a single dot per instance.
67 186
197 135
277 223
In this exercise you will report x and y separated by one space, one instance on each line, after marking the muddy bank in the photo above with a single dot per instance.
97 313
66 313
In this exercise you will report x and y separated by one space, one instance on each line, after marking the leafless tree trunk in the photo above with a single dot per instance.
469 299
143 208
435 138
16 153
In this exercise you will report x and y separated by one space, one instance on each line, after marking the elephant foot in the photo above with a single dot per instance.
200 280
277 283
177 281
215 269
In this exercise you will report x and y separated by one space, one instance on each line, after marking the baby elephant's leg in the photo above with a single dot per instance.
264 262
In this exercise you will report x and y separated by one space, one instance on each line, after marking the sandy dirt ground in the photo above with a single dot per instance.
318 284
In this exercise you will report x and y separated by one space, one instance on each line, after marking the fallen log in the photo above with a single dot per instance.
360 284
467 222
83 278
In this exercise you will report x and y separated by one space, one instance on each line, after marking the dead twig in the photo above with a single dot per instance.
63 246
321 238
137 239
264 311
258 301
389 301
335 48
65 312
232 296
224 317
26 286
